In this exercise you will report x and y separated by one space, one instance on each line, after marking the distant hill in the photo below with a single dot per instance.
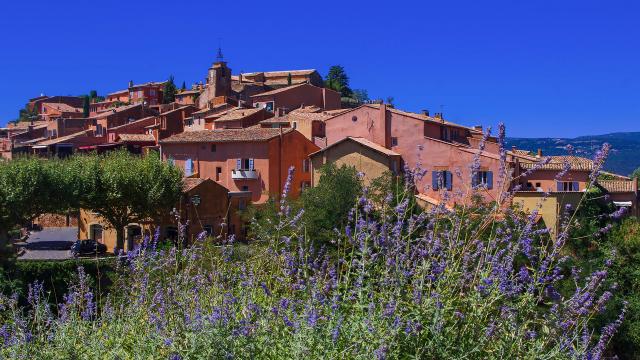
623 159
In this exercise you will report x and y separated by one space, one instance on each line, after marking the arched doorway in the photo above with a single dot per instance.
133 236
95 232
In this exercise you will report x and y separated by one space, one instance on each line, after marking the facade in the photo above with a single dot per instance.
252 159
150 92
118 96
206 205
370 159
296 96
281 78
51 111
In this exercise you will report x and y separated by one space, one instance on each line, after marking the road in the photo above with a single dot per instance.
50 244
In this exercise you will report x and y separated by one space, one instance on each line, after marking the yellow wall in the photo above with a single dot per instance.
370 162
550 208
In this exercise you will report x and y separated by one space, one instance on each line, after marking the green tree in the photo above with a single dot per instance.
169 91
390 101
123 188
85 106
338 80
360 95
27 114
327 205
93 94
636 174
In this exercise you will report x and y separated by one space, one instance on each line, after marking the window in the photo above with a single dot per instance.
213 148
218 173
244 164
242 204
354 118
483 178
394 141
208 229
245 188
269 106
538 185
529 185
568 186
95 232
444 133
295 125
188 167
306 165
441 179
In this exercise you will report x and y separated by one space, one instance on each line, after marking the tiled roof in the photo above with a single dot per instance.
62 139
188 92
136 138
62 107
282 73
237 114
191 183
118 92
297 116
521 152
277 91
557 163
373 146
143 120
308 109
617 186
250 134
115 110
151 83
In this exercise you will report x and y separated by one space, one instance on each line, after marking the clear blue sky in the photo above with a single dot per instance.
546 67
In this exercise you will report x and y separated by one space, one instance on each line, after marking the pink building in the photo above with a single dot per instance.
253 159
295 96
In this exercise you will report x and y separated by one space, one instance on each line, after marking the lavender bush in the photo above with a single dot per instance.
477 282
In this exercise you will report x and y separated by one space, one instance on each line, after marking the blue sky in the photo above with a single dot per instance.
544 68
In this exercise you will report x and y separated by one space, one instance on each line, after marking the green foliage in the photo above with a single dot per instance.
93 94
390 101
121 187
85 106
27 114
636 174
360 95
338 80
327 205
169 91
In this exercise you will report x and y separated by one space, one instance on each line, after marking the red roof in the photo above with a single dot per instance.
251 134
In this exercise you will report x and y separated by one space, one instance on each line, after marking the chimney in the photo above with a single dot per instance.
477 127
513 148
539 152
425 112
240 78
438 115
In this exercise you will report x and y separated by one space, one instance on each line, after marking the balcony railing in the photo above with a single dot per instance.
244 174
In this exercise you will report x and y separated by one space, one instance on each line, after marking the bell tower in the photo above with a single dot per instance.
219 77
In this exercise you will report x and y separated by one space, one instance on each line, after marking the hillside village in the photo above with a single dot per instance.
235 136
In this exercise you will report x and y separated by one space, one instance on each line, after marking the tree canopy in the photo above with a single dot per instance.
119 186
338 80
169 91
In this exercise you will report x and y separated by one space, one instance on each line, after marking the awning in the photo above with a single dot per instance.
622 203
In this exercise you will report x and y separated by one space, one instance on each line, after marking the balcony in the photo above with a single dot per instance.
244 174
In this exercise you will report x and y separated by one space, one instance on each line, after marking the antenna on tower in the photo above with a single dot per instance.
219 56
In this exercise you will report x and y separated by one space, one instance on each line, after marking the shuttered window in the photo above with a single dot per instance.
483 178
441 179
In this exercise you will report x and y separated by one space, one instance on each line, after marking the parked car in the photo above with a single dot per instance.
87 247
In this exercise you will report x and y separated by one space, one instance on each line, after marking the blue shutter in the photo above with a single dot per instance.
559 185
434 180
449 179
489 180
238 164
250 164
576 186
188 167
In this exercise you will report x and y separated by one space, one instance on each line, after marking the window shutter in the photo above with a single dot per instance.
489 180
250 164
449 180
559 185
434 180
238 164
576 186
188 166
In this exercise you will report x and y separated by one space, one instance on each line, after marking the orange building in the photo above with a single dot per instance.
150 92
253 159
296 96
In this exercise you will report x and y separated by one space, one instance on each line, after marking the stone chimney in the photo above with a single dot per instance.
425 112
539 153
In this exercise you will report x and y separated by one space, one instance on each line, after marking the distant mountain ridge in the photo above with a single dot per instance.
623 159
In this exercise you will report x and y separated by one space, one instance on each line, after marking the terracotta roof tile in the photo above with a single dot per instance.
617 186
557 163
62 139
136 138
362 141
281 90
237 114
189 184
62 107
250 134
